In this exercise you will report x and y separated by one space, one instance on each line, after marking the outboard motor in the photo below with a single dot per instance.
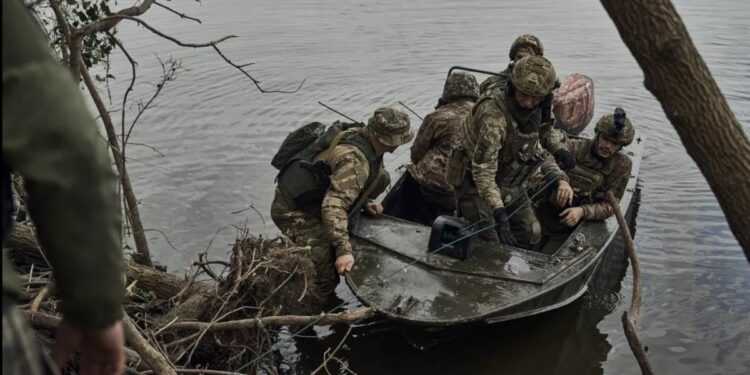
446 237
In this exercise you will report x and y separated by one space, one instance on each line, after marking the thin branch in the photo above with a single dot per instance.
166 238
152 148
182 15
133 64
274 321
631 317
62 23
255 81
251 207
328 357
169 73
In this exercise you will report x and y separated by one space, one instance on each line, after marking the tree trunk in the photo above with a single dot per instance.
133 215
679 78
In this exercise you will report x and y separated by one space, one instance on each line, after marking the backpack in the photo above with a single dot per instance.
295 142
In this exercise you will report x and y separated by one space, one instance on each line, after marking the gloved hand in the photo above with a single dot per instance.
503 227
565 159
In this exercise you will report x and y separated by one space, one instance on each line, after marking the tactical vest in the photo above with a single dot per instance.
590 172
307 179
520 155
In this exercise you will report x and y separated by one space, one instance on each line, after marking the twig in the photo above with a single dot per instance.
333 353
182 15
133 64
631 317
197 371
154 149
39 298
169 73
251 207
166 238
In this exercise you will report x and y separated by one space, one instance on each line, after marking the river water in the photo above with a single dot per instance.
217 134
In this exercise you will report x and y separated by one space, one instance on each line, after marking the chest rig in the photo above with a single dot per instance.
590 173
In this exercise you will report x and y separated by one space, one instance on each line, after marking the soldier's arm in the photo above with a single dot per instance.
51 139
616 182
485 155
552 139
350 170
550 170
423 140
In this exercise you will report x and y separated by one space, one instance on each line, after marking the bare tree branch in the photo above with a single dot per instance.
133 63
169 71
152 148
182 15
62 23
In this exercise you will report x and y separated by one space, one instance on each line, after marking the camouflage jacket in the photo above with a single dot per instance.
436 140
551 138
498 154
350 170
593 177
51 139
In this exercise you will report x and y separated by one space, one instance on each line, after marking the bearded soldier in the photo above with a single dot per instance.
501 149
424 193
317 211
600 167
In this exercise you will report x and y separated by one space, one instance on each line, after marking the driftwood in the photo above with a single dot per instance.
177 323
631 317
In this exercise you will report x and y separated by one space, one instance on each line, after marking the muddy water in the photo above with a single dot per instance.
217 134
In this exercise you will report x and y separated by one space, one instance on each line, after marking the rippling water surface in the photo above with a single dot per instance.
217 134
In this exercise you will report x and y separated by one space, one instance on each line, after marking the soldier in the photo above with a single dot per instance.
552 139
500 150
524 45
318 215
424 193
50 139
600 167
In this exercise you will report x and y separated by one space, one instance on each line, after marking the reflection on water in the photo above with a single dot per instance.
218 134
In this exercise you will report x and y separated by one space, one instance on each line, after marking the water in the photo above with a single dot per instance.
217 134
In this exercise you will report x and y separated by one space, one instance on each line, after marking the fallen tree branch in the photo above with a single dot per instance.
631 317
282 320
150 356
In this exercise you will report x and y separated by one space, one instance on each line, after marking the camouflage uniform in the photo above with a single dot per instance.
593 176
552 138
500 150
325 227
424 193
51 139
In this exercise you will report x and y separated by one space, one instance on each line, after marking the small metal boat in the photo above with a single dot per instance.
397 276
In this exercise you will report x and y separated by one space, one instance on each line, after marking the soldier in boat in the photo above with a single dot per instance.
500 149
424 192
601 166
315 209
552 139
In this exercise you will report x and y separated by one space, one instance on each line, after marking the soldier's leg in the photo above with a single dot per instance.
525 225
20 354
307 230
472 208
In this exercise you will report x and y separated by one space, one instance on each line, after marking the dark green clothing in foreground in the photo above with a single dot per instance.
50 138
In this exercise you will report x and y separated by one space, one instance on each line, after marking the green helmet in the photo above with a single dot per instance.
534 76
526 40
616 127
460 85
390 126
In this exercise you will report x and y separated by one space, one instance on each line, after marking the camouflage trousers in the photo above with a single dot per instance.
20 351
306 229
523 220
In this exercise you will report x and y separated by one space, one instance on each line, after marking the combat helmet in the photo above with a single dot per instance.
616 127
390 126
526 40
460 85
534 76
